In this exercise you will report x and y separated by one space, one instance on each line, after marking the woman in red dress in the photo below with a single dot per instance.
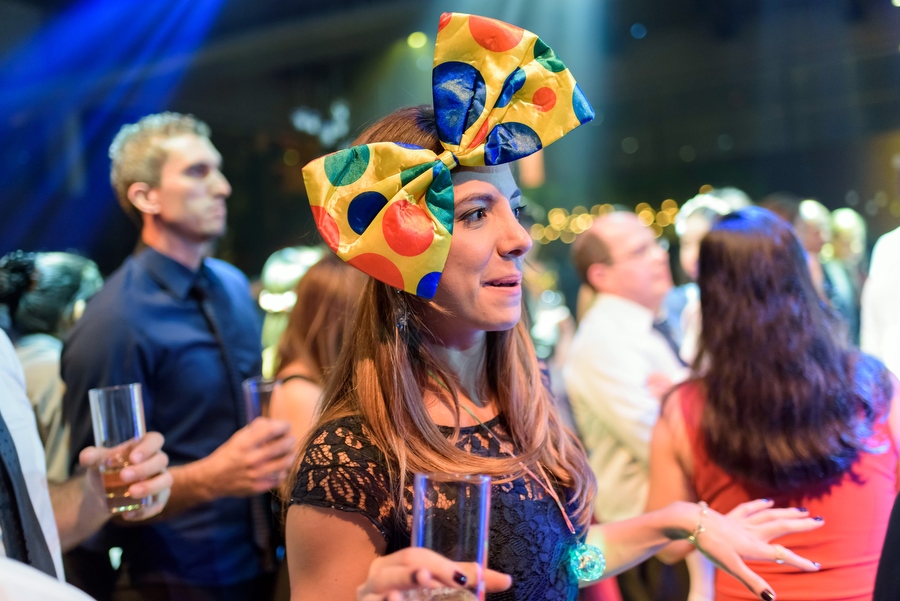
780 408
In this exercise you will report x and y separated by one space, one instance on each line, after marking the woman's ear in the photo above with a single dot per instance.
144 198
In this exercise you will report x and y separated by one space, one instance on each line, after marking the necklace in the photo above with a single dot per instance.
586 562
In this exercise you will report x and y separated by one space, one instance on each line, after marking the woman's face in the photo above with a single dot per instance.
481 286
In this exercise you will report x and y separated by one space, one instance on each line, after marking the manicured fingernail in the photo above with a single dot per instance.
767 500
459 578
137 457
819 518
128 475
767 595
816 563
415 577
801 509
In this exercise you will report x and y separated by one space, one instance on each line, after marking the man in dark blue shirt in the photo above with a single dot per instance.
184 326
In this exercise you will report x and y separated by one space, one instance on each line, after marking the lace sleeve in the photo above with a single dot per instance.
342 470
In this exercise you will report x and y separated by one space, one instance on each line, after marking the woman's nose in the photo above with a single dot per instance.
517 241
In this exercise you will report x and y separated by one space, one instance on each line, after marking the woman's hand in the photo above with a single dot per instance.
768 522
414 568
744 534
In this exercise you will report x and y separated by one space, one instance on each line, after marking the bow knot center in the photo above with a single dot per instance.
449 159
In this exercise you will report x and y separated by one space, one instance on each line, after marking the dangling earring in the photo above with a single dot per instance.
401 315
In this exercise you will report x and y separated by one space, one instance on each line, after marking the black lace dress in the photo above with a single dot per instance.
529 539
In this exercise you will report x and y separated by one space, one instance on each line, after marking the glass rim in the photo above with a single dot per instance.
114 387
454 477
261 380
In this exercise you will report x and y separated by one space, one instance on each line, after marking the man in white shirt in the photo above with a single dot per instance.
68 512
620 365
880 332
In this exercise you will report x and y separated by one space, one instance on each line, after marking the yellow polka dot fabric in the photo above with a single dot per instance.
500 94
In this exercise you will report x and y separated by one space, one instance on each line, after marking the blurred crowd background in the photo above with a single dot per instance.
765 96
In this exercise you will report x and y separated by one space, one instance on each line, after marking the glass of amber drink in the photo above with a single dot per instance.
118 416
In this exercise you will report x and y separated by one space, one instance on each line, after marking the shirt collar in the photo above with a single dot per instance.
168 273
629 313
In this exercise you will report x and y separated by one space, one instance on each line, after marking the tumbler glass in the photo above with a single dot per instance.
117 413
257 396
451 515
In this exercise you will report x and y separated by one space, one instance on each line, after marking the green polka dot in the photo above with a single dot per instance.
439 197
545 55
408 175
346 166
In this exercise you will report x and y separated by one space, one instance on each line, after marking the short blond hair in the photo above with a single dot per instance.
137 154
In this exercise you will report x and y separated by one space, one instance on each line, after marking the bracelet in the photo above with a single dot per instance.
699 528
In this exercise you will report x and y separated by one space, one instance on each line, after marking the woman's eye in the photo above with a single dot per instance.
475 215
520 212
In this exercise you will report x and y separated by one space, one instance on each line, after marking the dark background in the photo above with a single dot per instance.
765 95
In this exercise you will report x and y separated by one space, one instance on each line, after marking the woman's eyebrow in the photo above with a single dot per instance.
485 196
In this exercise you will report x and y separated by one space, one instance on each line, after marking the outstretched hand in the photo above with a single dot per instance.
744 535
414 568
768 522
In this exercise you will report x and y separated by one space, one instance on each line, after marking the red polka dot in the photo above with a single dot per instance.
495 36
327 227
407 229
379 267
479 137
445 18
544 99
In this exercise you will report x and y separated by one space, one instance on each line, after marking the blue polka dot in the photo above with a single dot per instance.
513 84
509 142
428 284
459 94
439 197
583 109
363 209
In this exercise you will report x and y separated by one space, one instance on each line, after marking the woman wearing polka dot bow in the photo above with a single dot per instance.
439 373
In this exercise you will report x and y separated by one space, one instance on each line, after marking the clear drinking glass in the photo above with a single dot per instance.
257 395
451 515
118 416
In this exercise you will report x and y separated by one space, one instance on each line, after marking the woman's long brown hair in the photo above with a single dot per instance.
326 299
788 401
382 372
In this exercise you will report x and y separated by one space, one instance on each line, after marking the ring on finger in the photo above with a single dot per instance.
779 554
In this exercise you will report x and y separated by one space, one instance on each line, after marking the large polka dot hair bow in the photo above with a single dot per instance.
500 94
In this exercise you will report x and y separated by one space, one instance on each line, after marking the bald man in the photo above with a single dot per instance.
620 364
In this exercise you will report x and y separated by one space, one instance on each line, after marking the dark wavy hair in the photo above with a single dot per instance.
42 290
788 401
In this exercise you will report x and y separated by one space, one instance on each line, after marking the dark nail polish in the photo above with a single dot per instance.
819 518
767 595
459 578
801 509
415 577
816 563
766 500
